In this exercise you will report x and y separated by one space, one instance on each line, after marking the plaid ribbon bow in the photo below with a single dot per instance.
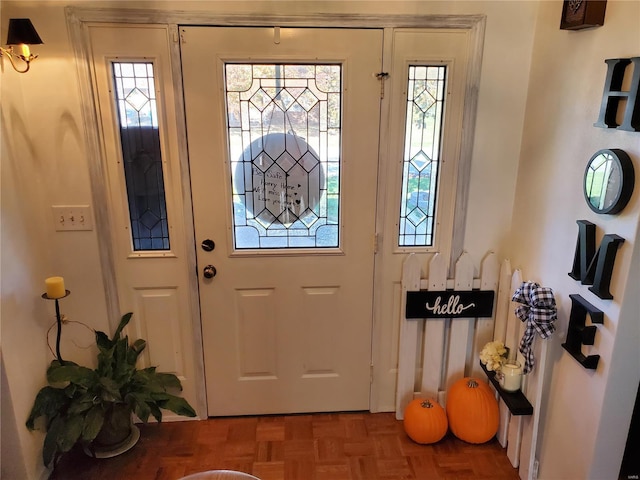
538 310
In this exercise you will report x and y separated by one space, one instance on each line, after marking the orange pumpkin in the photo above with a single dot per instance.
425 421
472 410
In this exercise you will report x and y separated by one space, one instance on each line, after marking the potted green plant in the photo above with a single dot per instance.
94 407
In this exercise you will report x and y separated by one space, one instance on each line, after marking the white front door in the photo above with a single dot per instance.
282 129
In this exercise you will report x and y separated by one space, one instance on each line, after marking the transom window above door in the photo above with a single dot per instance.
284 138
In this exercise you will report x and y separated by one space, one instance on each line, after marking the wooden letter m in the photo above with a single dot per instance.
591 267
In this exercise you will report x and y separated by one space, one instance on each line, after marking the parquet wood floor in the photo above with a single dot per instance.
340 446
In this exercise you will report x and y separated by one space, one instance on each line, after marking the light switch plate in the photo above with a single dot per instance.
72 217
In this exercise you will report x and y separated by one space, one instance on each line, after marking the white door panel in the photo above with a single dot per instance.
285 330
448 48
153 284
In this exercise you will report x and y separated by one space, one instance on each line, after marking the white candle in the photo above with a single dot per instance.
55 287
24 50
511 377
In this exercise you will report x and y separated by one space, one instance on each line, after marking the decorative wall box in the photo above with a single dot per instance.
579 333
579 14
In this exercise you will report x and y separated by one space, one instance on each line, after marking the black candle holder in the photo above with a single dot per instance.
59 320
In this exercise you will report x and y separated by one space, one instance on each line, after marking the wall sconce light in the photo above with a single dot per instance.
21 34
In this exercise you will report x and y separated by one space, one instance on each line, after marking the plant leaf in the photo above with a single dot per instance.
71 373
102 340
122 368
48 402
50 446
138 404
142 409
71 389
135 350
168 380
56 363
157 382
147 382
70 432
93 421
155 411
141 396
105 362
110 390
160 396
178 405
123 323
81 404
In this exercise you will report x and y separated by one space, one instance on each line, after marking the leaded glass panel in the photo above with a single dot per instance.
423 131
284 137
141 156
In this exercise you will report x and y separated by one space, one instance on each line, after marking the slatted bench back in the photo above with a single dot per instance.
436 352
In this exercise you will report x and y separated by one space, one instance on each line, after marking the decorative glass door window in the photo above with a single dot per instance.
283 123
423 132
134 89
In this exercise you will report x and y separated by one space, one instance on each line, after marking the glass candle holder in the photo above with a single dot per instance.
511 376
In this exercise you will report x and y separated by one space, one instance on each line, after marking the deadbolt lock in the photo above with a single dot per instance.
208 245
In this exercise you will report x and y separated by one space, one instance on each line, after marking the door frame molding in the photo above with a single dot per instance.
78 18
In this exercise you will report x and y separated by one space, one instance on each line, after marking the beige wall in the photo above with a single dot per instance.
44 162
580 438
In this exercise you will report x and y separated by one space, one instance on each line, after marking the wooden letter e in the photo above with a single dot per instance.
579 334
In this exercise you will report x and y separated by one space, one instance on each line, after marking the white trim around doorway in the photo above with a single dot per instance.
78 19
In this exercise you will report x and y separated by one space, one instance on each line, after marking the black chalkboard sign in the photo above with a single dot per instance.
450 304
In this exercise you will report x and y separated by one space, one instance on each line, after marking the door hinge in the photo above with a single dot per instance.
371 374
375 242
382 76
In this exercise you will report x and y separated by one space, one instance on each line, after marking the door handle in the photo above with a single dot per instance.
209 271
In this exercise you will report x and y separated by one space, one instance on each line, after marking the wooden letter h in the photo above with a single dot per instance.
613 94
591 267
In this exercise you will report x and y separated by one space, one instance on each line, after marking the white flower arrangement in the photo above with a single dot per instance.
493 355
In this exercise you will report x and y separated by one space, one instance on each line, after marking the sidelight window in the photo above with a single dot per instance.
421 163
134 88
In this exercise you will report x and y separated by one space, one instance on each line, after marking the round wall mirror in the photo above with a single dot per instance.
608 181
